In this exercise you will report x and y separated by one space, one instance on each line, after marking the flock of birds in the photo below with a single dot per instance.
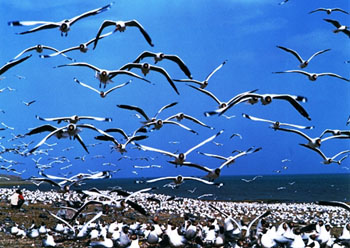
73 127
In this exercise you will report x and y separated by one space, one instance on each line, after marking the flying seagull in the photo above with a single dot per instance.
160 56
121 26
63 25
303 63
203 83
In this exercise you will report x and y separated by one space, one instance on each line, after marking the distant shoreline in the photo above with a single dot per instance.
14 183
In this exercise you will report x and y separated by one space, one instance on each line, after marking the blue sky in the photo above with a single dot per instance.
203 34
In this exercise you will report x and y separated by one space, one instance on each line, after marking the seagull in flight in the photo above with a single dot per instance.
303 63
283 2
178 180
73 119
276 124
313 142
222 106
313 76
38 48
7 127
180 116
329 10
83 47
335 132
129 139
103 75
29 103
121 26
181 157
142 112
102 93
146 68
160 56
71 130
250 180
329 160
63 25
231 159
340 27
215 173
202 84
266 99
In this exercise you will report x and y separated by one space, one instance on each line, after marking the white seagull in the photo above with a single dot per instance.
129 139
313 76
180 116
103 75
215 173
228 160
276 124
28 103
63 25
335 132
74 119
178 180
181 157
39 48
203 83
83 47
329 10
142 112
121 26
303 63
71 130
266 99
146 68
313 142
102 93
221 105
340 28
160 56
329 160
250 180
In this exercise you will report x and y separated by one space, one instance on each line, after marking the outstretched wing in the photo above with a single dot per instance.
135 23
90 13
144 55
130 107
204 142
292 52
295 104
182 65
165 107
12 64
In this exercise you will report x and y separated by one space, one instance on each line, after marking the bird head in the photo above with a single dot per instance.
318 142
178 179
223 105
102 94
39 48
71 127
266 100
182 156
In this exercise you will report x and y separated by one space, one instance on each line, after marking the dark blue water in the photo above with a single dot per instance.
286 188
